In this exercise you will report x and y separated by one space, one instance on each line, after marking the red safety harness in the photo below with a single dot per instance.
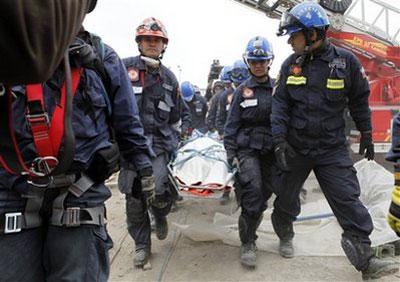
46 136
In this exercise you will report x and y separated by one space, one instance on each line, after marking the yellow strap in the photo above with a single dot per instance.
335 83
296 80
396 195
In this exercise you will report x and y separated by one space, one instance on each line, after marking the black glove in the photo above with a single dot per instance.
148 185
232 160
366 145
282 151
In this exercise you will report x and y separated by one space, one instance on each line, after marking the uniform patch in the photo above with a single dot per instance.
229 98
296 80
133 74
338 63
137 89
168 87
295 69
335 84
249 103
247 93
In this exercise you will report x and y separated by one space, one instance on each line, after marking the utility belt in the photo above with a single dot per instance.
104 163
16 221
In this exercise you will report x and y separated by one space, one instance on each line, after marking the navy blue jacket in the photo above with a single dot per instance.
89 116
394 153
160 104
198 111
211 119
223 109
308 104
248 125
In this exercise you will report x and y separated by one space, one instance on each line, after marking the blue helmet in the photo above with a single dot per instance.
305 15
258 48
239 72
225 75
187 91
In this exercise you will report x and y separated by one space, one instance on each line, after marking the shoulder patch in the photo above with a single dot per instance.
338 63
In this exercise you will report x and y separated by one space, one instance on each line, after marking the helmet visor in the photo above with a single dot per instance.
289 24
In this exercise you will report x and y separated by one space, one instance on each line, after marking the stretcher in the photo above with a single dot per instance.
199 168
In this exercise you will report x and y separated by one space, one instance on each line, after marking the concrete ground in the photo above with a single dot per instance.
180 259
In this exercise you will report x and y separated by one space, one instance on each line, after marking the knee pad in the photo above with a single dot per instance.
135 209
357 253
394 211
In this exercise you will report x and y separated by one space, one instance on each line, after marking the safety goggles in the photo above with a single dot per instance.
151 26
239 74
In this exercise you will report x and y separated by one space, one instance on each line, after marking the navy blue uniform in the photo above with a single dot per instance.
223 109
211 119
394 153
161 107
307 112
198 111
248 137
53 251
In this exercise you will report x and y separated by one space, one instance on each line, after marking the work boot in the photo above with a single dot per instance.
224 198
248 255
286 248
379 267
161 227
141 256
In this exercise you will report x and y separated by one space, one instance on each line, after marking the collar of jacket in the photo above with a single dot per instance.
325 52
251 82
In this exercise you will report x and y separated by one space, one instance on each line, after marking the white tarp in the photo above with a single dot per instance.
202 161
319 237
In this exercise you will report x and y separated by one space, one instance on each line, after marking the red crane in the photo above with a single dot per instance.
372 39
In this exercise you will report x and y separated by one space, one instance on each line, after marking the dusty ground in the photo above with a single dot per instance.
180 259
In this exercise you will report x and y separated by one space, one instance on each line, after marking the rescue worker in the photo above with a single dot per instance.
315 85
248 142
394 156
53 228
160 107
238 74
217 89
197 105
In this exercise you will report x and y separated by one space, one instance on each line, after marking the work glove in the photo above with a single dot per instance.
366 145
282 151
394 210
148 185
232 160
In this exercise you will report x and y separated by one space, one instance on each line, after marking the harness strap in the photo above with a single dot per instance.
14 222
75 216
47 136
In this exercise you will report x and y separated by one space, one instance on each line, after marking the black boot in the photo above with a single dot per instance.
247 234
161 227
142 256
285 233
379 267
248 256
286 248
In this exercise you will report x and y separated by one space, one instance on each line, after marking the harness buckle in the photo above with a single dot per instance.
13 222
38 119
43 166
72 215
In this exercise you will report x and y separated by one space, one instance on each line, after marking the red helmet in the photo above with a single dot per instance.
151 27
